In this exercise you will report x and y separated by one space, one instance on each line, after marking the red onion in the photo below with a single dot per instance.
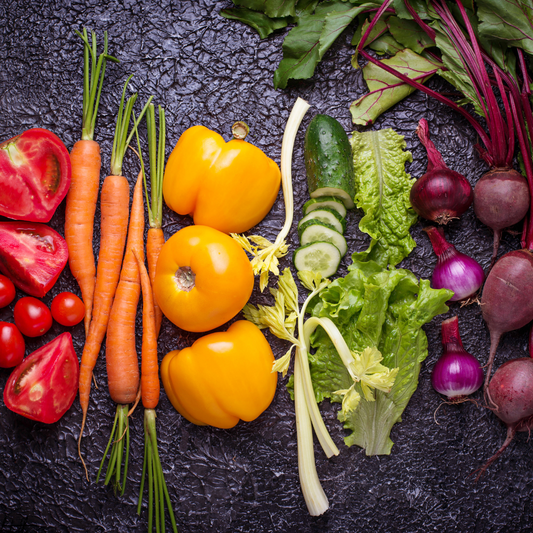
455 271
457 373
441 193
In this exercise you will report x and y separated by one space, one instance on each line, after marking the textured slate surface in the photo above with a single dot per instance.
204 69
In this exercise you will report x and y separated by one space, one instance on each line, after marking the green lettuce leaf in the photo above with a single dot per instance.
383 189
510 22
383 308
386 89
271 8
309 40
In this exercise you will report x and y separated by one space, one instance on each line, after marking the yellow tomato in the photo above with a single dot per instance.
228 186
203 278
222 378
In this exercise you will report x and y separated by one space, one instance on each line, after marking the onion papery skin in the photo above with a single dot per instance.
454 270
457 375
441 195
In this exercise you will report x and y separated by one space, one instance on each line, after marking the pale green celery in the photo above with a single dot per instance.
314 495
266 254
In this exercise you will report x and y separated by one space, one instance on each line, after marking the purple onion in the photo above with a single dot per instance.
457 373
454 271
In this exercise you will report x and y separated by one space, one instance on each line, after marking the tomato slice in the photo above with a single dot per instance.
34 175
44 385
32 256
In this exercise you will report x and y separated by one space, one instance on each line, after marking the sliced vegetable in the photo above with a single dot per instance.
328 160
327 215
203 278
32 256
32 317
228 186
222 378
330 202
316 231
44 385
67 309
34 175
318 257
12 345
7 291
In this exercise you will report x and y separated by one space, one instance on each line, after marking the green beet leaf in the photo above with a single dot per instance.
383 308
386 89
262 24
510 22
383 188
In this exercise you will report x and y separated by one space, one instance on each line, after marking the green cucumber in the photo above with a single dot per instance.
325 201
316 231
327 215
328 160
322 257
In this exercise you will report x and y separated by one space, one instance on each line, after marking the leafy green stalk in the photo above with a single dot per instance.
156 151
93 79
122 138
157 487
120 441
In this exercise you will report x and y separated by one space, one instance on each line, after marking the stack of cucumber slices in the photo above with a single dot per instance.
329 167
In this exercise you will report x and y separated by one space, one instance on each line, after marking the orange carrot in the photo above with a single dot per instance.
150 386
114 226
121 355
155 238
154 242
83 192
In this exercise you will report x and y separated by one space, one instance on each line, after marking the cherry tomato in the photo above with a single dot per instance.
12 345
32 317
67 309
7 291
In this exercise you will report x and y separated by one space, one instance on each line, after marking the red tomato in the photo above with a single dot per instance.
32 256
67 309
35 175
7 291
12 345
32 317
44 385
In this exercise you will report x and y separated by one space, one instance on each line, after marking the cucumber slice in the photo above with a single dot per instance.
325 201
328 160
322 257
316 231
327 215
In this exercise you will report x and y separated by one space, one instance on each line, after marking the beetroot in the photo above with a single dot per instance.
511 392
507 302
501 199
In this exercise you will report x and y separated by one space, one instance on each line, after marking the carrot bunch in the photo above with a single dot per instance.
86 163
114 204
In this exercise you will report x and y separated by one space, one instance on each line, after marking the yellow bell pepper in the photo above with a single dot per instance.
227 186
222 378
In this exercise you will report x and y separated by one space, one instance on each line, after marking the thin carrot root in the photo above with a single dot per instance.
154 242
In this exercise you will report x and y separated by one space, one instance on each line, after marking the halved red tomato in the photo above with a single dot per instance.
34 175
32 256
44 385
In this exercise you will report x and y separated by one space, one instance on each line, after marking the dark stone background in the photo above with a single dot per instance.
206 70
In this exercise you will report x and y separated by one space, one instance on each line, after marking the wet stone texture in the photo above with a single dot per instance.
206 70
